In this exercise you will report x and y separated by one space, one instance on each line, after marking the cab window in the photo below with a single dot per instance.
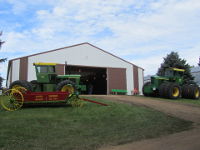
51 69
42 69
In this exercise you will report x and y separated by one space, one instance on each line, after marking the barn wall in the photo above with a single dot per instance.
140 79
15 70
60 69
23 68
9 78
135 77
84 55
116 78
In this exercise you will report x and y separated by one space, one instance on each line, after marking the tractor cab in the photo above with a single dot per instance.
171 72
45 72
174 74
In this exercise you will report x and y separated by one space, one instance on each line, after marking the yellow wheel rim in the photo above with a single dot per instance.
196 93
68 88
12 100
175 92
19 88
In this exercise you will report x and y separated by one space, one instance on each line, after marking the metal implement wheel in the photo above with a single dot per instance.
12 100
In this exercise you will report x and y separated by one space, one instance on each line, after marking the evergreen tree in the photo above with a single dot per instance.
1 60
173 60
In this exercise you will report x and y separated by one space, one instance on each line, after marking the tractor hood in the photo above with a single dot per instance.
68 76
160 78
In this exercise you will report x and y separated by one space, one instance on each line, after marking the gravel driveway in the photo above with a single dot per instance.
186 140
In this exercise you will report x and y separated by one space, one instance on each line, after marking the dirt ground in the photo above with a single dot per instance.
186 140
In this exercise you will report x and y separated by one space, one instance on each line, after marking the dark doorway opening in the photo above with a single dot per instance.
93 78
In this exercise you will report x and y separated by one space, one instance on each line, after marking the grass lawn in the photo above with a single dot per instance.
86 128
180 100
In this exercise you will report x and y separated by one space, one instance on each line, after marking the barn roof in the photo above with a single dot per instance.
75 46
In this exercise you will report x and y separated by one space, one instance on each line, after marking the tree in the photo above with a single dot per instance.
173 60
1 60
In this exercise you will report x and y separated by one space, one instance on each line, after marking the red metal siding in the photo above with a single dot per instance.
60 69
23 68
135 77
116 78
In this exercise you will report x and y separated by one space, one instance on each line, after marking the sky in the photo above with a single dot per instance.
139 31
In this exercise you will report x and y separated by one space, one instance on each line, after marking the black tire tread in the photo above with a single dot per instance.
170 90
146 84
27 85
65 82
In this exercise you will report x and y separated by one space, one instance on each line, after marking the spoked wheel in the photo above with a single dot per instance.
12 100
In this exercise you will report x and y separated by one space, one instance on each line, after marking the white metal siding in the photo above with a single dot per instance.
140 79
84 55
15 70
8 81
129 78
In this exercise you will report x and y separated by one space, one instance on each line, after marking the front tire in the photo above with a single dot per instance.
66 86
143 89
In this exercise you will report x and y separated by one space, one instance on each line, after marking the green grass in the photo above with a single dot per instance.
180 100
86 128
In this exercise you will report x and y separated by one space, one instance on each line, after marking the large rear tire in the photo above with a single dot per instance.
161 90
174 91
191 91
194 92
185 91
21 85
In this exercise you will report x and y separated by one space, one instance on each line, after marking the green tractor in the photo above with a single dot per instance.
171 85
49 81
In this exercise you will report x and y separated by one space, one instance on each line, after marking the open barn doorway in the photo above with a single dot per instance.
93 78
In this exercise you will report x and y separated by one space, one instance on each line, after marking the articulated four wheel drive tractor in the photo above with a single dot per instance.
49 81
171 85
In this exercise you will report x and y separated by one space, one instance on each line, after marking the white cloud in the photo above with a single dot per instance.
139 29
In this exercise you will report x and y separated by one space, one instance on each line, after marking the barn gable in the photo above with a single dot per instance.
85 55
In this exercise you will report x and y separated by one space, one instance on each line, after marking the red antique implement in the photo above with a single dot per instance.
14 99
45 96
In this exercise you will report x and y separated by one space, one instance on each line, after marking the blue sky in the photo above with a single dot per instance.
140 31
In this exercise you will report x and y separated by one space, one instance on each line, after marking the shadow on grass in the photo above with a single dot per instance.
49 105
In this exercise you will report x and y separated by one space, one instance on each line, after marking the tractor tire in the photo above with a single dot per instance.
174 91
21 84
146 84
194 92
161 90
67 86
185 91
